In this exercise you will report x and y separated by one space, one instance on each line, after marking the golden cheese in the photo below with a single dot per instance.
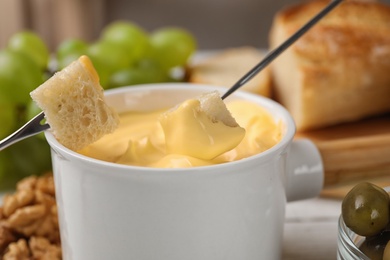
154 139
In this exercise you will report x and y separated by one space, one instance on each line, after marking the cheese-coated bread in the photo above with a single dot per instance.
74 105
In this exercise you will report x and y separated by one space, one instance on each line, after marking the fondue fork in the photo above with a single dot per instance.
276 52
34 126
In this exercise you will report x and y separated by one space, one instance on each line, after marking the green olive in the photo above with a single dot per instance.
374 247
386 253
365 209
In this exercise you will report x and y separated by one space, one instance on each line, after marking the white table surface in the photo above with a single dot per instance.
311 229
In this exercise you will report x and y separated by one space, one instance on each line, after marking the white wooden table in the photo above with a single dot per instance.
311 229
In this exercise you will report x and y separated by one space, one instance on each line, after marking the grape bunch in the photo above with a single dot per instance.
23 67
124 54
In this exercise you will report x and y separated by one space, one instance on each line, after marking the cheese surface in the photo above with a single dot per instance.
186 137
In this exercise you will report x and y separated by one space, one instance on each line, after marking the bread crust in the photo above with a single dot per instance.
339 70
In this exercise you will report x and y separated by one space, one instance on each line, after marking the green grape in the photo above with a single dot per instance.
132 37
8 119
103 71
19 75
70 50
148 63
114 56
144 72
30 157
62 63
71 47
7 177
108 57
172 47
31 45
132 76
32 110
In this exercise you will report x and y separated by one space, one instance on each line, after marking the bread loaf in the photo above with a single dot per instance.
74 105
228 66
339 70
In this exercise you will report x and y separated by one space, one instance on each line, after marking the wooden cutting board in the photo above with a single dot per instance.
354 152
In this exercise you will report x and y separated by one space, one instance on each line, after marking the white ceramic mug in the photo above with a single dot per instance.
228 211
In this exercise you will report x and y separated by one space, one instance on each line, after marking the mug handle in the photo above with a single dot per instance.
305 171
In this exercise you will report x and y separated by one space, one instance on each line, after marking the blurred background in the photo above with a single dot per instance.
215 24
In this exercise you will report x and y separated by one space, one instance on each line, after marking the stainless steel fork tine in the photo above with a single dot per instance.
31 128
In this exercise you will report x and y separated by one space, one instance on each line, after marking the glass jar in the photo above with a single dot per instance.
348 241
347 244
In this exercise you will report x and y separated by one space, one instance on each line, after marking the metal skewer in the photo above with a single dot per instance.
31 128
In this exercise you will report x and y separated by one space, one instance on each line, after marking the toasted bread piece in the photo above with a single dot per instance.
202 128
212 104
227 67
74 105
339 70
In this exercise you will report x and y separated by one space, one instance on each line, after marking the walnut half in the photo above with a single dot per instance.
30 215
37 248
